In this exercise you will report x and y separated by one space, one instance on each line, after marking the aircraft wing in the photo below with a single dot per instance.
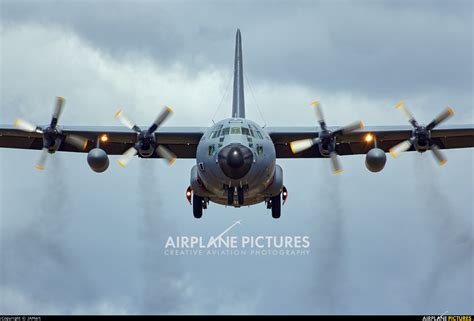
446 137
182 141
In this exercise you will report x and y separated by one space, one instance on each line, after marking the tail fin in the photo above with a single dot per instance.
238 103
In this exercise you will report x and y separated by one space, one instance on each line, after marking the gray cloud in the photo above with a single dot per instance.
375 48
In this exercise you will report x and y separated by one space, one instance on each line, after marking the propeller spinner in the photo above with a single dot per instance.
326 139
146 143
421 135
52 134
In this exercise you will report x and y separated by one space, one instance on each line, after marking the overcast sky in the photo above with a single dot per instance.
73 241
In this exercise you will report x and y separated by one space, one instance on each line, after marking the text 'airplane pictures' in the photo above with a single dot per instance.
236 158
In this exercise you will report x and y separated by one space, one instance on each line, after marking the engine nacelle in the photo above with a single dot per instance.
146 152
375 160
324 149
98 160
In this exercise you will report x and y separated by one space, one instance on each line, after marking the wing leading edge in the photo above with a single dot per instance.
446 137
182 141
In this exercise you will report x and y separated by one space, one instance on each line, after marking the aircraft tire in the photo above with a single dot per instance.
197 206
276 206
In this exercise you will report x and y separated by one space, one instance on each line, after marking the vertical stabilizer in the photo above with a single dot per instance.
238 103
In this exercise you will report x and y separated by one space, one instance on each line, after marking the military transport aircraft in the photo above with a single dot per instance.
236 158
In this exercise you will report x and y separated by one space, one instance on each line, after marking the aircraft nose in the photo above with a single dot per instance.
235 160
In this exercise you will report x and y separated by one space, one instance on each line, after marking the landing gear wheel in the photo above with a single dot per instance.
276 206
240 195
197 206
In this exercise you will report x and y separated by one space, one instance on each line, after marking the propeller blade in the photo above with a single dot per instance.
42 159
127 157
300 145
160 119
351 127
336 165
317 108
319 114
438 155
127 122
165 153
445 114
57 110
401 105
25 125
400 148
77 141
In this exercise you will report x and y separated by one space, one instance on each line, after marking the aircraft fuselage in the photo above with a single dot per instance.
236 153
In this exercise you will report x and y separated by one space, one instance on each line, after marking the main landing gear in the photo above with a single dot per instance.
275 202
275 205
198 205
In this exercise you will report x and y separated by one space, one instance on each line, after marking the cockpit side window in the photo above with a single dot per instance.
215 133
245 131
225 131
211 150
259 135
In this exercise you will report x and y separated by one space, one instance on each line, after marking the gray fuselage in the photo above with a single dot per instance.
218 168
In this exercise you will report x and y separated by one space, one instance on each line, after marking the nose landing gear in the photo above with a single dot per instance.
233 193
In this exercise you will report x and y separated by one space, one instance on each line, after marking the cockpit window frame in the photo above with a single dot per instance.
236 130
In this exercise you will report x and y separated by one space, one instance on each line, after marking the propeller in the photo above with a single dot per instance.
326 139
146 143
421 135
52 134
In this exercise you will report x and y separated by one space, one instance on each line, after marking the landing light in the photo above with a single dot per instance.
104 138
369 138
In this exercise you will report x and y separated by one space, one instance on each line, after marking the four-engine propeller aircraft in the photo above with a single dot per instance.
236 158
